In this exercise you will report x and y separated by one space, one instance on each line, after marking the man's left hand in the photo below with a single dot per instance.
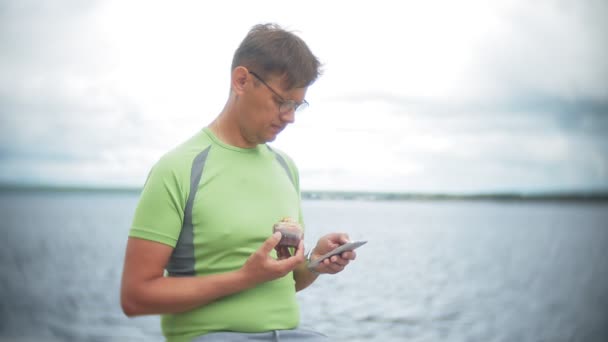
336 263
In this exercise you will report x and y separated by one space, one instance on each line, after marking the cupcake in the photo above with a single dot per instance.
291 234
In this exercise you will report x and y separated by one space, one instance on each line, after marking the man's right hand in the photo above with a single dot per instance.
261 267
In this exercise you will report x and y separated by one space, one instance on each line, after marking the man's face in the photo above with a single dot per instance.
262 119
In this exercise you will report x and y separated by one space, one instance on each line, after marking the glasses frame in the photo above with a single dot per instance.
285 106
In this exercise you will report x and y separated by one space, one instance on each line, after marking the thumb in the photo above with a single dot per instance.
270 243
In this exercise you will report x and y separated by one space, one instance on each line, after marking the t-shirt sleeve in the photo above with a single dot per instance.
160 211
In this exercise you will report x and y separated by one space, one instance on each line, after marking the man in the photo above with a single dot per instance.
201 248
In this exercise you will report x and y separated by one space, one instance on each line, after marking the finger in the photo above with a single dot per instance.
330 267
349 255
270 243
338 259
341 261
300 249
335 268
290 263
299 254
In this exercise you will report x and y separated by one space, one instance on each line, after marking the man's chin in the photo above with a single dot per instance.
271 137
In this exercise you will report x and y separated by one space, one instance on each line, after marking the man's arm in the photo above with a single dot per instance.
145 289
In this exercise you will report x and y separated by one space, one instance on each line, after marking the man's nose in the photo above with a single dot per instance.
289 117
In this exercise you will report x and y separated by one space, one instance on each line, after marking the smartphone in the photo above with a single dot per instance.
349 246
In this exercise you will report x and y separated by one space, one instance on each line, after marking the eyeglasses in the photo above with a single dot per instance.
285 106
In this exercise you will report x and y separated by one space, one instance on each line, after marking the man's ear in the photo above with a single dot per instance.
240 77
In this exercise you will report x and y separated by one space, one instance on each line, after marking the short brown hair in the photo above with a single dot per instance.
268 49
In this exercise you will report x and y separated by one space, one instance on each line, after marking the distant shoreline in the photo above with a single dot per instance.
388 196
352 195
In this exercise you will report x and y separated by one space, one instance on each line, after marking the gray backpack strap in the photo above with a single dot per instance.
283 162
182 260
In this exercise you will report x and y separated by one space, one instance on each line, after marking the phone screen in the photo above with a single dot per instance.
349 246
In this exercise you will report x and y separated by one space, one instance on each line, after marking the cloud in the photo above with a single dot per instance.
438 145
553 48
59 112
530 112
433 97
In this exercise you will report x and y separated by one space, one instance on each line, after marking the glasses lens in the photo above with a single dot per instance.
288 106
302 106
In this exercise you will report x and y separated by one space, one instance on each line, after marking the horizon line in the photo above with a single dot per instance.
560 195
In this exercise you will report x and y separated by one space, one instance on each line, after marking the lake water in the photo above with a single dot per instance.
432 270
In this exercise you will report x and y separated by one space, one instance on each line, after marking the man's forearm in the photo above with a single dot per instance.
144 289
178 294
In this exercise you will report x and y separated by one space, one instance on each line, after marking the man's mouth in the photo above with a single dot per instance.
277 128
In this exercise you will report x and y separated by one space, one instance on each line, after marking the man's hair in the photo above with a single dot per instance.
270 50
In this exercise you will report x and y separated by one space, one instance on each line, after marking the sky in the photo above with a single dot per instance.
415 96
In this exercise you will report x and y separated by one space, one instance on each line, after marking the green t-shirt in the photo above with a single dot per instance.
215 204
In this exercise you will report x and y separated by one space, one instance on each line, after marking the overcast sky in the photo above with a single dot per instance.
420 96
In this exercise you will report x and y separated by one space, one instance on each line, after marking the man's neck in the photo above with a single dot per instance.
225 130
